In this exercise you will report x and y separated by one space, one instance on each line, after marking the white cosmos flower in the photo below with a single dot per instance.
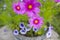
50 27
35 29
15 32
48 34
23 31
21 25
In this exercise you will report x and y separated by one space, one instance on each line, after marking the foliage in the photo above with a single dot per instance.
56 23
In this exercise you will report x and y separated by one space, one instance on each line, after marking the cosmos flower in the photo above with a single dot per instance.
50 27
36 22
25 30
15 32
48 34
22 31
57 0
31 7
21 25
18 7
35 29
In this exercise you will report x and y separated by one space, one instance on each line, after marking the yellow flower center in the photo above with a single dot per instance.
30 6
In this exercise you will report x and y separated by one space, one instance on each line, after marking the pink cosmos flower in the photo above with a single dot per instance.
18 7
36 22
57 0
31 7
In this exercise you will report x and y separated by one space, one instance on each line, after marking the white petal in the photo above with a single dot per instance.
21 26
16 33
35 30
50 28
23 32
48 34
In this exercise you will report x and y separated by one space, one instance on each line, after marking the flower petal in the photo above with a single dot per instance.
35 29
50 27
15 32
57 0
37 4
36 10
48 34
23 31
29 0
30 14
21 25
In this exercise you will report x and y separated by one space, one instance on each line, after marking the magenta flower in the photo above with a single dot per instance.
18 8
31 7
36 22
57 0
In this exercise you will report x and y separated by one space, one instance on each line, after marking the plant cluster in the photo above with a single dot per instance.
27 17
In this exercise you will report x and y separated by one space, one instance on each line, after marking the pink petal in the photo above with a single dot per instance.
29 0
38 4
30 14
21 12
22 4
36 10
57 0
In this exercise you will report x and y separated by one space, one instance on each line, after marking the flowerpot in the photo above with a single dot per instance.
20 37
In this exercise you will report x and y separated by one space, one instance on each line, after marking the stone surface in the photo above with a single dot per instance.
6 34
